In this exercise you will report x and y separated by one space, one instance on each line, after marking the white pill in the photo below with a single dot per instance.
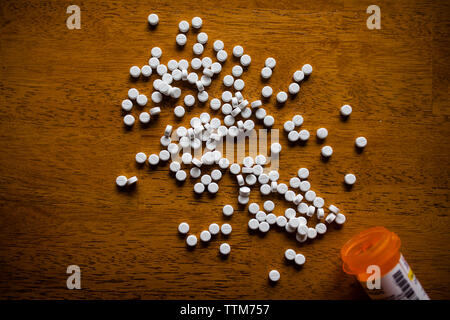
265 189
289 126
218 45
239 84
196 63
350 178
181 175
228 80
297 120
311 211
271 218
191 240
303 173
189 100
282 188
361 142
299 259
144 117
269 121
266 92
305 186
327 151
176 75
183 228
202 37
244 191
289 254
133 93
195 172
264 227
281 221
173 148
245 60
294 182
294 223
260 113
251 179
197 48
289 195
312 233
225 229
293 136
318 202
243 200
266 73
333 209
307 69
253 208
322 133
269 206
183 26
274 275
121 181
248 124
330 218
153 62
253 224
206 179
183 64
227 210
205 236
270 62
153 19
157 97
321 228
302 208
261 216
141 100
156 52
227 96
274 175
235 168
298 76
275 148
175 92
222 55
181 39
294 88
225 249
192 78
186 158
320 213
141 157
128 120
310 195
135 71
240 180
153 159
238 51
174 166
346 110
340 219
289 213
197 22
281 97
214 228
303 135
146 71
203 96
199 187
224 163
216 68
127 105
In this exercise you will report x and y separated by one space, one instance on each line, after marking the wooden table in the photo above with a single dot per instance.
63 144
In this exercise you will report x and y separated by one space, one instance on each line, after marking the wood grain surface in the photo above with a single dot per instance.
63 143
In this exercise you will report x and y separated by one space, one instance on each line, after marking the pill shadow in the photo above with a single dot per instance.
129 190
293 96
181 236
358 149
319 140
133 80
303 143
178 47
152 167
151 27
280 105
344 118
139 166
204 244
126 128
272 283
324 159
223 257
347 187
298 267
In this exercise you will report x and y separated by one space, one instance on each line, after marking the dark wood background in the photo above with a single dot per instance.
63 144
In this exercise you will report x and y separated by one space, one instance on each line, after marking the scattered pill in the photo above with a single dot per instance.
318 202
205 236
281 221
191 240
253 224
330 218
266 92
225 249
282 188
146 71
181 175
321 228
299 259
222 55
228 80
310 195
183 26
128 120
153 159
346 110
266 72
275 148
135 71
298 76
133 93
214 228
264 227
320 213
361 142
350 179
225 229
199 187
269 121
228 210
303 135
239 84
121 181
274 275
156 52
153 19
293 136
183 228
197 48
269 206
307 69
327 151
281 97
218 45
181 39
202 38
294 88
322 133
340 219
245 60
289 254
270 62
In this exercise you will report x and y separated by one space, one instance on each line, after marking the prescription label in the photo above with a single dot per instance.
398 284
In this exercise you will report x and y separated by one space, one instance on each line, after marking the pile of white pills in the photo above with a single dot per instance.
195 150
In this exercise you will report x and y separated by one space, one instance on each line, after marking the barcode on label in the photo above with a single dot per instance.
403 284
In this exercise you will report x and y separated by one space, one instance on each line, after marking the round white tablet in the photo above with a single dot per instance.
183 228
141 157
235 168
253 208
303 135
121 181
225 248
297 120
270 62
269 206
197 48
303 173
275 148
269 121
299 259
189 100
181 39
253 224
153 159
298 76
327 151
183 26
267 91
144 117
321 228
226 229
264 227
294 88
312 233
322 133
361 142
307 69
205 236
191 240
156 52
289 254
310 195
350 178
224 163
228 210
153 62
202 38
289 195
199 187
305 186
281 97
135 71
245 60
218 45
346 110
133 93
318 202
222 55
239 84
197 22
128 120
274 275
141 100
293 136
271 218
181 175
146 71
127 105
289 213
282 188
214 228
228 80
266 73
216 68
153 19
265 189
238 51
195 172
281 221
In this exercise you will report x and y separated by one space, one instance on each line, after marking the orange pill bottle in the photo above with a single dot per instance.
374 257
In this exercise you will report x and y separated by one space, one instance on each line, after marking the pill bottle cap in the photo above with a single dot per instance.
374 246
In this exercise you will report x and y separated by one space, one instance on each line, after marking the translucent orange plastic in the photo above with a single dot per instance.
374 246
